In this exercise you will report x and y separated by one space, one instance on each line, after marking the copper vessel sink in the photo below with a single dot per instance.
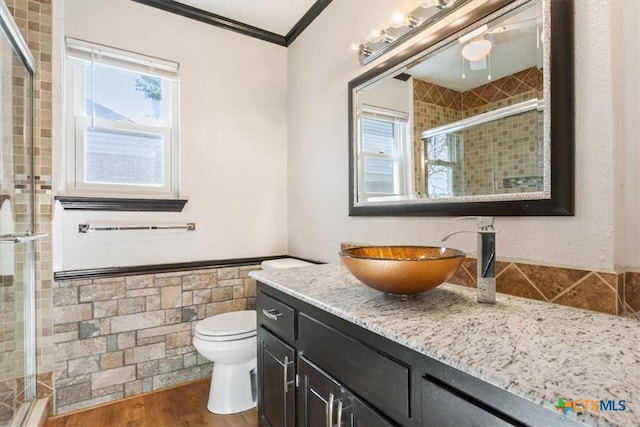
402 270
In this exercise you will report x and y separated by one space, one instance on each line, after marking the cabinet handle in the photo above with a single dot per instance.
286 375
272 313
339 423
330 411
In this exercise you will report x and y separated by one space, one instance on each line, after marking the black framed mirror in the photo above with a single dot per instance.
476 118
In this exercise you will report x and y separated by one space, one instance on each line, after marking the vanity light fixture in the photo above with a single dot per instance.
400 19
362 49
380 36
439 4
402 26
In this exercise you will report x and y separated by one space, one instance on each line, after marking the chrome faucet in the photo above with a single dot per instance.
486 270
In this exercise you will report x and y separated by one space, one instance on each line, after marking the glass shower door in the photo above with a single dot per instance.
17 259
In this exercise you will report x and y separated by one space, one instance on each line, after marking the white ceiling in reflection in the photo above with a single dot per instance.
516 46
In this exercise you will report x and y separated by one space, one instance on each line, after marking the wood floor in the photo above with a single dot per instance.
184 406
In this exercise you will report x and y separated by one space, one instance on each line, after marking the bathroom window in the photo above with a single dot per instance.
121 123
384 154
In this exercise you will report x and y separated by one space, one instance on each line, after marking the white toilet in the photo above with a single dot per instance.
229 341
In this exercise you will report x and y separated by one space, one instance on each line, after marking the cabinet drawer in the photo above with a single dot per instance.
442 407
276 316
372 375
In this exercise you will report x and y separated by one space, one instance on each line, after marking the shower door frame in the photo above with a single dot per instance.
21 49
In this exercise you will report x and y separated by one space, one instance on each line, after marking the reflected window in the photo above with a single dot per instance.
444 152
384 151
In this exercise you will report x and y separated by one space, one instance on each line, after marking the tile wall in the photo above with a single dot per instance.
34 18
632 293
517 165
118 337
589 290
15 188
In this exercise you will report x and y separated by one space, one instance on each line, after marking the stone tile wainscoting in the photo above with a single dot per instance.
122 336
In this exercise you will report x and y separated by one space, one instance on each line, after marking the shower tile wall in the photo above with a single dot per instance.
34 18
432 106
517 154
122 336
14 193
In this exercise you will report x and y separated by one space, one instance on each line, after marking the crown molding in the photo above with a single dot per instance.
237 26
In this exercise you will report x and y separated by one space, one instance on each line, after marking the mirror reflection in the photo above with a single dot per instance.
467 119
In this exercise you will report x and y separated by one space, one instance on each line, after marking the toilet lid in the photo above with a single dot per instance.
233 323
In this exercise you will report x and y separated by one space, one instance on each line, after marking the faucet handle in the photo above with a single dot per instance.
484 222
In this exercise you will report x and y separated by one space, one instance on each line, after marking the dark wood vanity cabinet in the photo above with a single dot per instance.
315 369
276 381
322 401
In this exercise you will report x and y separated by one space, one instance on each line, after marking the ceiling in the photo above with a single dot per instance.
515 49
276 16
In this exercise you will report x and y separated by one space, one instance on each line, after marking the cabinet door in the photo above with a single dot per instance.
319 403
444 408
276 385
359 414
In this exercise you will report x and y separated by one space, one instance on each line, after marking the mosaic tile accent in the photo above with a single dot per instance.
122 336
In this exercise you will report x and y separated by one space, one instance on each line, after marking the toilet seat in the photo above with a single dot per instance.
232 326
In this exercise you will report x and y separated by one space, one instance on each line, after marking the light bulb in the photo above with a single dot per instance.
398 19
375 36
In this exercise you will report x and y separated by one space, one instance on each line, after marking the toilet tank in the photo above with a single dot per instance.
277 264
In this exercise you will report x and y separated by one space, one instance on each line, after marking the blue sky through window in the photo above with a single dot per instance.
115 92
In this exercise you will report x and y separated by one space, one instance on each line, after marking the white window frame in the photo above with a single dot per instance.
77 121
402 153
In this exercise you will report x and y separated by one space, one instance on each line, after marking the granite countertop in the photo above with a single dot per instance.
539 351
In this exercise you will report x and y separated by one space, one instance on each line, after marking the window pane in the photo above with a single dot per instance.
113 157
116 94
377 136
439 148
379 176
439 181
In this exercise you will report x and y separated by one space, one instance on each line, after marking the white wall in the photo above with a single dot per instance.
319 68
233 141
392 94
625 25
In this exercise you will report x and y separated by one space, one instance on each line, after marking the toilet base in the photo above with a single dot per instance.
232 388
